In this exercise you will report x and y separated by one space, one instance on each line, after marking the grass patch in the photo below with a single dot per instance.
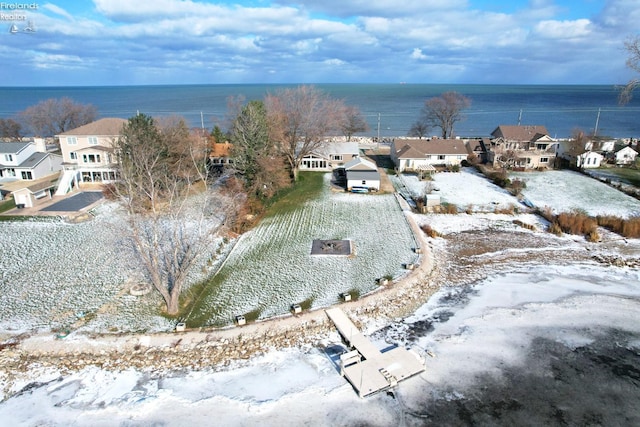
7 205
253 315
195 297
626 175
308 187
306 304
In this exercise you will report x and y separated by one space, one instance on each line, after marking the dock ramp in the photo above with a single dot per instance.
368 369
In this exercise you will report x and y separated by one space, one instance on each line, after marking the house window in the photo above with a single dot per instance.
91 158
26 175
11 172
544 160
73 155
364 182
93 140
8 157
72 140
441 157
336 157
541 146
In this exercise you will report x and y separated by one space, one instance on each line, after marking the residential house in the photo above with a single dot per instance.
220 155
576 155
362 173
589 160
522 147
330 156
422 154
26 196
87 153
477 149
27 161
626 156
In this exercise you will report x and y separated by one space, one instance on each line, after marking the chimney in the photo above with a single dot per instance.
41 147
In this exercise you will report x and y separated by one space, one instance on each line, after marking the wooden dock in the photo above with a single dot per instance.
368 369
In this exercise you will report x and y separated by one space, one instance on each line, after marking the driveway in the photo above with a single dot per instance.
75 203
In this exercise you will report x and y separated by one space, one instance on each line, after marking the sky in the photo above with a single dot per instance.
122 42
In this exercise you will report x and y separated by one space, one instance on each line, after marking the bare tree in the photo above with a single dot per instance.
632 47
353 122
10 130
300 119
420 128
54 116
444 111
173 212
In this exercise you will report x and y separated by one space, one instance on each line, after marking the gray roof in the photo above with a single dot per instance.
363 175
13 147
33 160
358 163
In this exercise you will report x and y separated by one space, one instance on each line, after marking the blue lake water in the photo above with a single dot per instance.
391 108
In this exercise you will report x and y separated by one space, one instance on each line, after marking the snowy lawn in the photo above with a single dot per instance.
467 189
54 274
272 268
564 191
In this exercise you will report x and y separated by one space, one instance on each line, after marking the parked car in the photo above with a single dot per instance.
359 189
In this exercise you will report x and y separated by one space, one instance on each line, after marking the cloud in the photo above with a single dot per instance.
563 29
417 54
58 11
328 40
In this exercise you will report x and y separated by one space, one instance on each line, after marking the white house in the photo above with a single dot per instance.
27 161
626 156
589 160
87 153
331 156
421 154
579 155
362 173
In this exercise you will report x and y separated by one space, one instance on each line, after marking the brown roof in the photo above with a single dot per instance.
109 126
520 133
419 148
220 149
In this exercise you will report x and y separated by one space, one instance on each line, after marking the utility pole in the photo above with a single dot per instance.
378 140
595 130
520 117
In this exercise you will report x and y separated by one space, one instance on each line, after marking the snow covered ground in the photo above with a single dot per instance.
564 191
271 266
503 355
58 275
53 272
467 189
535 343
